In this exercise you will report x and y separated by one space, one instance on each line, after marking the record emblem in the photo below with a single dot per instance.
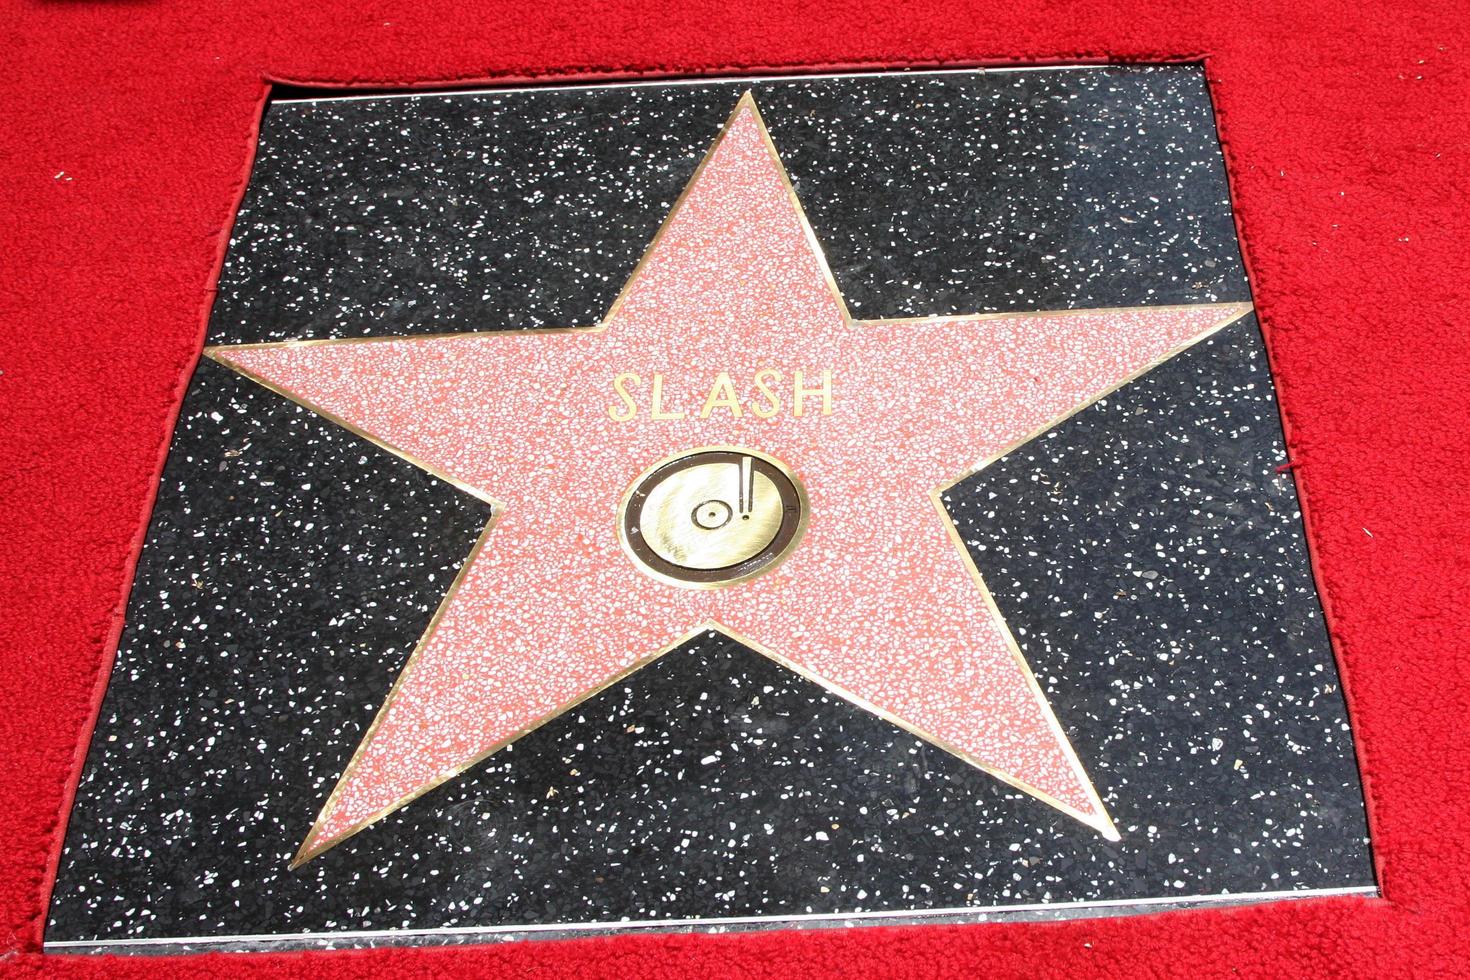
712 517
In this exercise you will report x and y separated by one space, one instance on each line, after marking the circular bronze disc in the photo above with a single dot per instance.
712 517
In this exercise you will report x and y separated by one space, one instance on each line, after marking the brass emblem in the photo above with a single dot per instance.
713 517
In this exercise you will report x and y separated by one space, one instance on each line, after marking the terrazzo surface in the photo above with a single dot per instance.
1146 553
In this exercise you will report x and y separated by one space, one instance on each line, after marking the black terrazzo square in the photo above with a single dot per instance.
1147 553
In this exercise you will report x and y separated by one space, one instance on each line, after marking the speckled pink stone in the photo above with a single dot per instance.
876 600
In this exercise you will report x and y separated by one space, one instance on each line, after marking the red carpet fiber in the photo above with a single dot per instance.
126 134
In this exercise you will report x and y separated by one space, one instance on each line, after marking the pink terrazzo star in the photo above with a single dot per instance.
878 602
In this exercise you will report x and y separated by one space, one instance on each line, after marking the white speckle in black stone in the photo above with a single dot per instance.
1146 554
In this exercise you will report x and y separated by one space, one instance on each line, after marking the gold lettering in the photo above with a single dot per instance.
800 394
658 412
763 380
766 398
628 411
722 395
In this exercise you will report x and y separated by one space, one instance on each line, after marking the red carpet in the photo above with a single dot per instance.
125 144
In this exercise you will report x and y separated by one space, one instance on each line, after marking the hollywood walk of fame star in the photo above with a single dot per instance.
877 600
